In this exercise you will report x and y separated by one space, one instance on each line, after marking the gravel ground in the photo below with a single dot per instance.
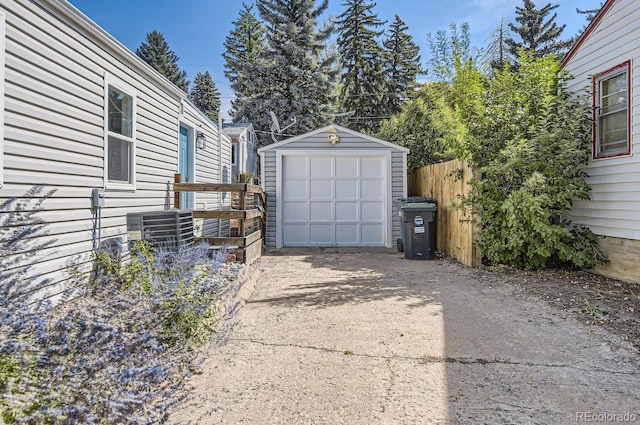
347 337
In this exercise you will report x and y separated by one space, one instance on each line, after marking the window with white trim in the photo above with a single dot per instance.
1 99
611 101
120 135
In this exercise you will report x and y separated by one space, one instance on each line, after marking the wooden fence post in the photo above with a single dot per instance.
177 198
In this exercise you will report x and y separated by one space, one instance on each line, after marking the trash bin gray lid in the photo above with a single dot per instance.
429 206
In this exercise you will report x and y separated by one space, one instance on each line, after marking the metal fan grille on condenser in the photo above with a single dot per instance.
168 230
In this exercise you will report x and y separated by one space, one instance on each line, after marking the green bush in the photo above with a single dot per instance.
529 140
530 150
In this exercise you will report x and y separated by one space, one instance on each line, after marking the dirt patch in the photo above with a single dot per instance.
591 299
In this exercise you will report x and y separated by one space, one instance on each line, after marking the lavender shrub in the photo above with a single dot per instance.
119 352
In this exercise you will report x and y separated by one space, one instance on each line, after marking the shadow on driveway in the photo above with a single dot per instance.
506 360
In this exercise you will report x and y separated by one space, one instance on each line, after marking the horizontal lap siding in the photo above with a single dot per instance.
54 115
398 189
269 179
615 182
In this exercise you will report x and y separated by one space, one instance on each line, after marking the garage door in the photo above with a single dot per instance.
333 200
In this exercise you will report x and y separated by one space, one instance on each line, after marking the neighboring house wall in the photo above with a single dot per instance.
58 68
244 145
606 60
317 141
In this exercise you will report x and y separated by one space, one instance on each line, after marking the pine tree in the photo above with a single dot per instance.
205 95
362 81
590 14
537 31
244 46
497 53
294 77
156 52
402 66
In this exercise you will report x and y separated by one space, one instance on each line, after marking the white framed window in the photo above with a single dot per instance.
2 99
120 135
611 112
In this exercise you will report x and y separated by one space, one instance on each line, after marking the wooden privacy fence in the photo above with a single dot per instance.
246 215
456 236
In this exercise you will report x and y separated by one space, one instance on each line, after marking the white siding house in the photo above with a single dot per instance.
606 61
244 145
81 112
333 187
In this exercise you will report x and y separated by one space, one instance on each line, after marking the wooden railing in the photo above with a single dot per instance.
250 205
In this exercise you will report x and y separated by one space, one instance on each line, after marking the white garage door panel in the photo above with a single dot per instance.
297 167
347 234
372 189
373 167
347 189
296 189
345 168
296 211
320 234
347 211
372 234
296 234
321 167
372 212
321 211
321 189
334 200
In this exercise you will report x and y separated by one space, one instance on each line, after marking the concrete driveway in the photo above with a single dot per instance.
331 337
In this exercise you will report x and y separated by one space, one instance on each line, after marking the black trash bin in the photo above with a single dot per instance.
418 227
399 204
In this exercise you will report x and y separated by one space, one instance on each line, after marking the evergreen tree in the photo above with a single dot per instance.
497 54
294 77
362 81
156 52
205 95
244 47
402 66
537 31
590 15
450 50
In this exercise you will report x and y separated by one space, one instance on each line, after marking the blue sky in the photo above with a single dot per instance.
196 29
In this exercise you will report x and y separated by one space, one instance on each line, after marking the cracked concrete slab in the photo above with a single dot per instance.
352 337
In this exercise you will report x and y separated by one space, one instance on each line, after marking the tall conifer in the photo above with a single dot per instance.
244 47
205 95
295 77
537 30
401 66
156 52
362 81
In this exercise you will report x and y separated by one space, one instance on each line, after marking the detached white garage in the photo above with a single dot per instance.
333 187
